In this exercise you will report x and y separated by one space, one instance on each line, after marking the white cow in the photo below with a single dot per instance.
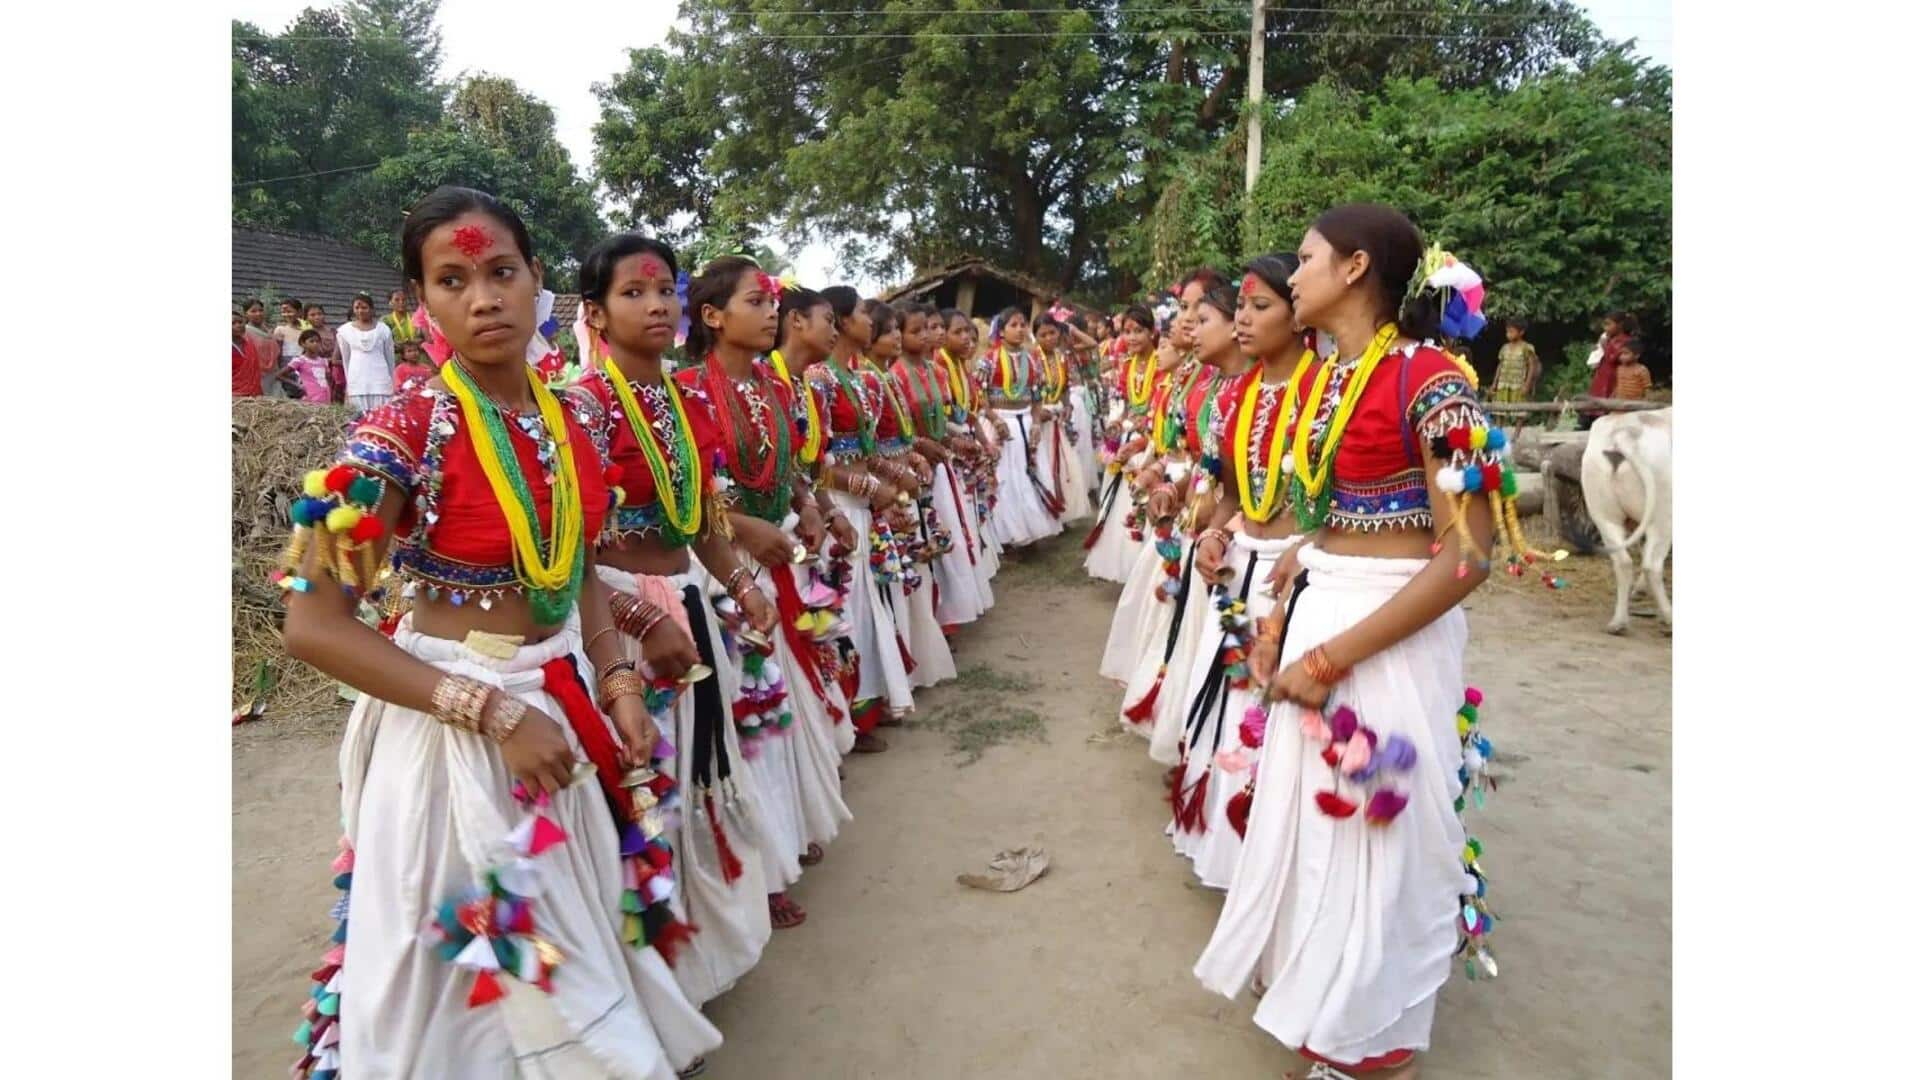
1626 474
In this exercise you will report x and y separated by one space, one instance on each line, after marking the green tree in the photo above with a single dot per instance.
1040 137
557 206
1559 190
330 97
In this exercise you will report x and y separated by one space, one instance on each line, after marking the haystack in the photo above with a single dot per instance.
275 443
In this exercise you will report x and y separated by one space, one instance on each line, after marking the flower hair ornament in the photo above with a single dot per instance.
1462 292
994 328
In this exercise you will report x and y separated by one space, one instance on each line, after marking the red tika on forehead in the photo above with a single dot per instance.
1249 281
472 240
652 267
769 285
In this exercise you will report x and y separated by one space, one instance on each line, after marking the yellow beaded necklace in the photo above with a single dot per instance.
1261 507
816 432
1140 379
1313 475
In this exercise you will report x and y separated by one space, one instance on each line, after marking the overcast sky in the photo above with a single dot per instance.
557 49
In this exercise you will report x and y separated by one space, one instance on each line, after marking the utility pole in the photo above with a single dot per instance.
1256 89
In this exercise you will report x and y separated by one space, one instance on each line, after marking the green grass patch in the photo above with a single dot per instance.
981 708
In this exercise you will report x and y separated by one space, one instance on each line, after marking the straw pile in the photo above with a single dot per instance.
275 443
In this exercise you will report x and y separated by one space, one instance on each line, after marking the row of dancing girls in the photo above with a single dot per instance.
1183 480
539 533
1330 743
1016 381
1157 584
962 580
1112 544
1058 466
907 459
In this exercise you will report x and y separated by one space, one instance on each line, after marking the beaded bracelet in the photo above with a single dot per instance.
459 701
1219 534
506 717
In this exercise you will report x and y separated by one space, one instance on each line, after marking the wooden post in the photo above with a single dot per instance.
1256 89
963 297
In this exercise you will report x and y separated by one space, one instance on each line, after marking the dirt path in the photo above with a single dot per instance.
1087 973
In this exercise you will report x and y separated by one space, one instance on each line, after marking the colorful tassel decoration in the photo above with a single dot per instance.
1141 711
730 867
1238 809
1333 805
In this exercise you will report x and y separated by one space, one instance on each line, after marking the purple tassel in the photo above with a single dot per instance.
1398 753
1344 723
632 840
1385 805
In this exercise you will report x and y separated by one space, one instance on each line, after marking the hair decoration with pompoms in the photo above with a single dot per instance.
1463 290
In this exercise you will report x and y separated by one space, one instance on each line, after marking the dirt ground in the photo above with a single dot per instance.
899 971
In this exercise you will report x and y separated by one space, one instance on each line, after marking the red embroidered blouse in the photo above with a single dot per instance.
1379 477
596 405
452 534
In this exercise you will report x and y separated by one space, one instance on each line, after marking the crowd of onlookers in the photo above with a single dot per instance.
368 359
361 362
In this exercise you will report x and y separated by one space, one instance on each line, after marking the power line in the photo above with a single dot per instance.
304 176
1190 9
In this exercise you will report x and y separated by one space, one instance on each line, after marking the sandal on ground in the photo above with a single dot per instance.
698 1068
813 855
869 744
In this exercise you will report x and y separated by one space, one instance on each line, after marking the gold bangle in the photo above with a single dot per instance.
621 684
506 717
458 701
598 634
622 664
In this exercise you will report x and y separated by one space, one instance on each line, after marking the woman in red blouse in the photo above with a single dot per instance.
662 448
927 394
484 776
906 455
1156 695
1350 890
851 407
1251 530
787 675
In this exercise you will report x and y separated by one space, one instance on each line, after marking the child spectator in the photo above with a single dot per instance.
1631 380
412 370
1519 370
311 367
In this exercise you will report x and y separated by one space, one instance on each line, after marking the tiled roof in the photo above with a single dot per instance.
565 307
316 269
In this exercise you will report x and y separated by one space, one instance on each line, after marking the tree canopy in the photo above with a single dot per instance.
1559 190
1039 135
339 126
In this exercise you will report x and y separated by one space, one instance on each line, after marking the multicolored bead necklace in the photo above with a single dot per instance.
549 571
